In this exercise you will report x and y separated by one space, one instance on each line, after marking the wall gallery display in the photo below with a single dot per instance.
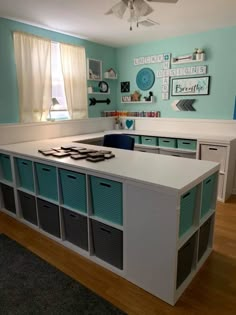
190 86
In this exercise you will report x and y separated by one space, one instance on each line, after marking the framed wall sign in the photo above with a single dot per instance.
94 68
190 86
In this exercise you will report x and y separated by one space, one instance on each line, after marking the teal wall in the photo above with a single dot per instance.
9 112
219 45
220 48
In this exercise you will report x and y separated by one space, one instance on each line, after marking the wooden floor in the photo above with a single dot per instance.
213 290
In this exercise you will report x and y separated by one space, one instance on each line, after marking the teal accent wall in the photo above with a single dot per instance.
220 48
9 112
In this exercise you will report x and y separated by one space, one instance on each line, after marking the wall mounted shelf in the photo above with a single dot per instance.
139 102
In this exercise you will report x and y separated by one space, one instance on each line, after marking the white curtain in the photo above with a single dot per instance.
73 62
33 66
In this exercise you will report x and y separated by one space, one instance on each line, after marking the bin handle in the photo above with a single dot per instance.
186 142
6 157
105 230
71 176
166 140
214 149
186 195
25 163
73 215
46 169
105 184
26 197
175 155
45 206
186 245
208 181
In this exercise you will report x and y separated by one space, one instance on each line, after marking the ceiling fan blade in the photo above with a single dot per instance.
165 1
118 9
142 8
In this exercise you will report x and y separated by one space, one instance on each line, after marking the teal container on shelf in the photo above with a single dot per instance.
208 187
149 140
186 144
73 188
46 177
136 138
5 164
187 208
25 173
107 199
167 142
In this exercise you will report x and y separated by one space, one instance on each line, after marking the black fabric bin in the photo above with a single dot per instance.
49 217
185 260
28 207
204 238
108 243
76 228
8 198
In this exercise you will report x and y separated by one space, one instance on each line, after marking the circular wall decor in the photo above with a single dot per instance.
145 79
104 87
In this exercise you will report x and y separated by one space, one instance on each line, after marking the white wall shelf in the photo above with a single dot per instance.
139 102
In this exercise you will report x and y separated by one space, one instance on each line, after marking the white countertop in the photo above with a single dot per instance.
153 169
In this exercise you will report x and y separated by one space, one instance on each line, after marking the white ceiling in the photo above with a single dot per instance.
86 19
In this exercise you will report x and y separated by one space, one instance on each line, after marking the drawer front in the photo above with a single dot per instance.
204 238
186 144
25 172
167 142
214 153
108 243
107 199
47 181
148 150
5 164
189 155
187 208
73 186
28 207
49 217
208 187
8 198
149 140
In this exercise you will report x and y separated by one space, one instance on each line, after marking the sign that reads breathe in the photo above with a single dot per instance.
190 86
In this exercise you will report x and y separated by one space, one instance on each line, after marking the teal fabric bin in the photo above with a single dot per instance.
167 142
107 199
187 207
25 173
208 187
73 188
47 181
149 140
5 164
186 144
136 138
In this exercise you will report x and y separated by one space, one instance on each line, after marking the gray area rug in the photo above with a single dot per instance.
29 285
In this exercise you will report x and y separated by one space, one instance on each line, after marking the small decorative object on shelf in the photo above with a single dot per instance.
148 98
126 98
197 56
136 96
110 74
117 122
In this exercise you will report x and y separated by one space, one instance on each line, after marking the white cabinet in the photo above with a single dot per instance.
223 154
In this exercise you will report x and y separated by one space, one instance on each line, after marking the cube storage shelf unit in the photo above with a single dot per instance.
103 218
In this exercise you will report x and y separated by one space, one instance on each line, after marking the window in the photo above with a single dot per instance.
58 109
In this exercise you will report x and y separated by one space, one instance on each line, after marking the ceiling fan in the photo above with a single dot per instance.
137 9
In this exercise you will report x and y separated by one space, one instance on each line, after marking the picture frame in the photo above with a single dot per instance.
94 69
190 86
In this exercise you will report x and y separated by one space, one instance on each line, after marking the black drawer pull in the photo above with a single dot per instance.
186 143
105 184
213 149
45 206
147 139
186 195
71 176
46 169
166 140
208 181
24 163
105 230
